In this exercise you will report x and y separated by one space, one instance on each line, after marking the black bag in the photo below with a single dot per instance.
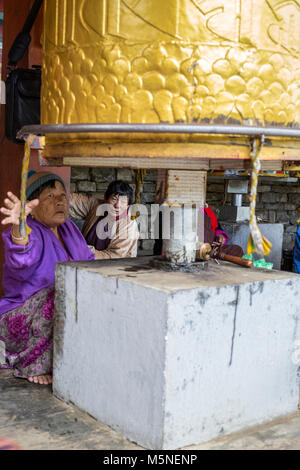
23 86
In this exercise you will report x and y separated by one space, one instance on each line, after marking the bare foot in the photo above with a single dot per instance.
41 379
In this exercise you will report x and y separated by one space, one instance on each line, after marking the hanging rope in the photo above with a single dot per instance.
24 229
257 242
139 182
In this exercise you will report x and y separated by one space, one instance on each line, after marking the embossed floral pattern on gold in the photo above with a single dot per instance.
151 61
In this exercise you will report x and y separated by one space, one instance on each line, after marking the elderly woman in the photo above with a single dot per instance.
108 225
26 310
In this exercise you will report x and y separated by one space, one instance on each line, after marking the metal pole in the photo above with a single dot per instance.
45 129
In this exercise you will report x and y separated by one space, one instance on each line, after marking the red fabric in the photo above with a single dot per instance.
213 218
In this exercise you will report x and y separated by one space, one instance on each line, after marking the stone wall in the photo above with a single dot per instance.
94 181
277 199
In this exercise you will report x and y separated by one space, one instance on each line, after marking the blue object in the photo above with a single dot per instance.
30 173
297 252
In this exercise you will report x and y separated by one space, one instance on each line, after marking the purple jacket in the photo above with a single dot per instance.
32 268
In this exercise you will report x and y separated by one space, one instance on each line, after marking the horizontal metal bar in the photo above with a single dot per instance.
45 129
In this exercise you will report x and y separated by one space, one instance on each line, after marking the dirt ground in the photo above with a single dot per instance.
36 420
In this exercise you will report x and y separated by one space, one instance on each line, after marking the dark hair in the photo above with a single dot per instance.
49 184
120 187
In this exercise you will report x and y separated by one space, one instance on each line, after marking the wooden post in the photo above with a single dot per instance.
185 192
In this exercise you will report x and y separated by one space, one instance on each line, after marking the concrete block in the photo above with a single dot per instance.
174 359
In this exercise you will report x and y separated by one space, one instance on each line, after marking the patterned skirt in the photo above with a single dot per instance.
26 336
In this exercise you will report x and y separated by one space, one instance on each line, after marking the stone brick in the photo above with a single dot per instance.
272 217
282 197
80 173
97 195
148 197
101 187
282 217
293 217
294 198
151 175
263 188
294 189
87 186
72 187
214 197
149 187
125 174
279 189
276 206
103 174
291 229
262 215
288 241
268 197
290 207
215 188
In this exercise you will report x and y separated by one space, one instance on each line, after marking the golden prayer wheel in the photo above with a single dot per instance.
171 61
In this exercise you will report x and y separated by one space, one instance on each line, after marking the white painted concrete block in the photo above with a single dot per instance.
173 359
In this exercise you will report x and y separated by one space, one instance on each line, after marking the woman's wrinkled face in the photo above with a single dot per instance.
53 206
119 203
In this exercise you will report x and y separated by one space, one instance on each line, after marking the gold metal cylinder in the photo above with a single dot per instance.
153 61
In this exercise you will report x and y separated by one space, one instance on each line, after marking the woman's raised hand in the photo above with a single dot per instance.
12 207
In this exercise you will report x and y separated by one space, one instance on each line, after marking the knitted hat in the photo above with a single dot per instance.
37 179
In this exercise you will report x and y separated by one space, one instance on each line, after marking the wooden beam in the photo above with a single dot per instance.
161 151
159 163
140 163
